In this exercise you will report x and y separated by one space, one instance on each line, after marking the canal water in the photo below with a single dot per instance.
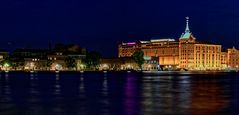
120 93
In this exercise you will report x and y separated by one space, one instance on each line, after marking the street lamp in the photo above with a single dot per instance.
82 65
6 66
105 66
58 67
149 67
129 66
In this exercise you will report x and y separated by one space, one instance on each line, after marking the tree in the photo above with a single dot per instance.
138 57
7 63
92 59
70 62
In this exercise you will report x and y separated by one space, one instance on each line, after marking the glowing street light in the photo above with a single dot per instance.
32 65
129 66
6 65
58 67
82 65
105 66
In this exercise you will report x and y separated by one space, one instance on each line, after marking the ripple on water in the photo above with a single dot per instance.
118 93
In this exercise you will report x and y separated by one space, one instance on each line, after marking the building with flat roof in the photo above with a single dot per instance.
233 58
127 49
195 55
186 53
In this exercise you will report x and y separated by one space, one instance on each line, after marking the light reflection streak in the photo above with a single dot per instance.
105 86
5 93
57 85
82 87
207 97
130 103
165 93
34 93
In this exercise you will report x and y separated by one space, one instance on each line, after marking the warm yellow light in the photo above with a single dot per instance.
82 65
6 65
128 66
32 64
105 66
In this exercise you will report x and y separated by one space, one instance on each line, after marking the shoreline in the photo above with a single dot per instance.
105 71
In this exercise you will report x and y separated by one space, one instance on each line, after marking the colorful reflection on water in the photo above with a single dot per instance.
118 93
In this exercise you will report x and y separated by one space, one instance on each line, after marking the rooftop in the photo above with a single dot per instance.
163 40
186 35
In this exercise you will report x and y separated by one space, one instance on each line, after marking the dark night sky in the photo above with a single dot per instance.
100 24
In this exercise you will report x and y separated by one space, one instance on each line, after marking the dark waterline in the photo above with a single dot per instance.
118 93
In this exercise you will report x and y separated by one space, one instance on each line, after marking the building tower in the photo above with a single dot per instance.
196 55
186 48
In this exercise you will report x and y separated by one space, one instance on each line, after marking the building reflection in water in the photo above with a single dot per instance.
6 86
33 87
105 94
233 94
148 100
57 87
183 95
33 97
131 98
105 86
58 97
207 97
6 76
81 94
7 89
127 94
180 95
6 100
82 87
165 94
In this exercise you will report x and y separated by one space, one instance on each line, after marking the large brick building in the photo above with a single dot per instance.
187 52
233 58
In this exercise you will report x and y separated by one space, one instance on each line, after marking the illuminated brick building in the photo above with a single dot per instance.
127 49
233 58
207 56
196 55
224 60
186 53
165 49
186 49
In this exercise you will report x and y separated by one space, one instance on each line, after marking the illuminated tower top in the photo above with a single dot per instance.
187 34
187 30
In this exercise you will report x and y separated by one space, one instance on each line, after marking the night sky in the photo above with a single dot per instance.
101 24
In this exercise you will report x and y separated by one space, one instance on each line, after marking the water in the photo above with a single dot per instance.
118 93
